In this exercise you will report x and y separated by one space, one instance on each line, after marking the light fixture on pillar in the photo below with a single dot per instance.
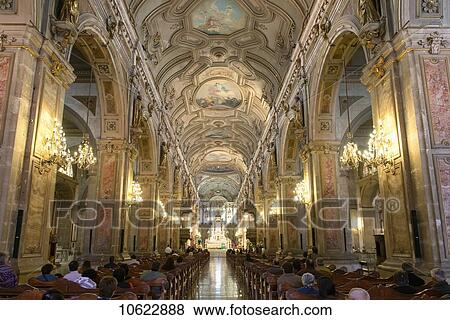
57 151
84 157
302 193
135 193
351 156
379 150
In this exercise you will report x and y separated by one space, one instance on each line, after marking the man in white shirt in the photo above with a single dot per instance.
73 274
168 250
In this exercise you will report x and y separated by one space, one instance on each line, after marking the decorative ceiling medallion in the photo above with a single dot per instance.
218 17
220 94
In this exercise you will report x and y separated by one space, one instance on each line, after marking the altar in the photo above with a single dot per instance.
217 238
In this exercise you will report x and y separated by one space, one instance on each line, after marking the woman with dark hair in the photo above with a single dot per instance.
327 289
168 265
46 275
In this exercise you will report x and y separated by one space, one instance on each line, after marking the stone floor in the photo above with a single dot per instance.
217 280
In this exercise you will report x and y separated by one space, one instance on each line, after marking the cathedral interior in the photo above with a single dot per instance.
246 131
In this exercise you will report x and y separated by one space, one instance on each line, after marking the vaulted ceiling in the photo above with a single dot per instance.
218 65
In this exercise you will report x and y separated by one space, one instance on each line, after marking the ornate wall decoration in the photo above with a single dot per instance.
435 41
108 175
429 8
103 231
109 97
35 220
328 176
436 75
8 6
5 73
5 40
443 177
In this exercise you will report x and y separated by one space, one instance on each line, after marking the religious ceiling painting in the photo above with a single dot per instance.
219 93
218 17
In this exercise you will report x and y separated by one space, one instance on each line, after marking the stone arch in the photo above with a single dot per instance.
326 81
109 76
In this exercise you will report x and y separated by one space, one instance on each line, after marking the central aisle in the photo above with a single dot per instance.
217 280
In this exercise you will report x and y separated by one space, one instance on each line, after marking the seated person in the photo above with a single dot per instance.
308 268
88 279
107 287
327 289
321 270
179 260
111 264
288 278
358 294
73 274
53 294
402 283
8 278
120 275
125 268
85 266
46 275
133 260
153 273
440 281
275 269
297 264
308 288
414 280
169 264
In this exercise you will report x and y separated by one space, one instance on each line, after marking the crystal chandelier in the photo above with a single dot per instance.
56 146
379 150
351 156
136 193
302 193
84 157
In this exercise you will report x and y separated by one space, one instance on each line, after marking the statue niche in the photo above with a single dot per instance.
63 28
373 25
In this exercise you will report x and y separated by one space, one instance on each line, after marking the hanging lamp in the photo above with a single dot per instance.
351 156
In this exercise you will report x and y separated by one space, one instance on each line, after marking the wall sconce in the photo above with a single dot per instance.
302 192
135 194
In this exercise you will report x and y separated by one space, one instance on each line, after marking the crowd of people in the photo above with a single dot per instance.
107 282
310 277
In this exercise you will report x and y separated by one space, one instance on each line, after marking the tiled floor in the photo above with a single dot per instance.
217 280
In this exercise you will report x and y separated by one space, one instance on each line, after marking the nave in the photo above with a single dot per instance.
282 130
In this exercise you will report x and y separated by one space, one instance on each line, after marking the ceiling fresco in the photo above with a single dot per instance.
219 65
218 17
219 93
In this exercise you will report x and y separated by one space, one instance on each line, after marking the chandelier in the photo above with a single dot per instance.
351 156
379 150
302 193
56 147
84 157
136 193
